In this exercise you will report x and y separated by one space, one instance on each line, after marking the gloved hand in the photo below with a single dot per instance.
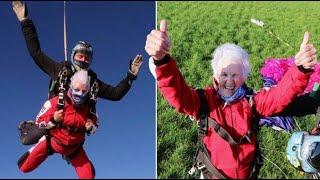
135 64
20 9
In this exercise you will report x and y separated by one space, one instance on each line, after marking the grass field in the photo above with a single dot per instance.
195 30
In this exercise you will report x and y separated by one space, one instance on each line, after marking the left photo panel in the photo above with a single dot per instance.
78 98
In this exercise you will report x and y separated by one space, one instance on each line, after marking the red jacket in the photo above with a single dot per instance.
236 118
74 117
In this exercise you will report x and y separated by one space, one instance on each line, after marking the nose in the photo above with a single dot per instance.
82 58
230 81
85 59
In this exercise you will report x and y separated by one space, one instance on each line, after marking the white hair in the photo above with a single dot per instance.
230 50
81 77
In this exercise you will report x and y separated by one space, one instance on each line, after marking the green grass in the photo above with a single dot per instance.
195 30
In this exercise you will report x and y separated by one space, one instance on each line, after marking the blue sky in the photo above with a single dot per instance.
124 145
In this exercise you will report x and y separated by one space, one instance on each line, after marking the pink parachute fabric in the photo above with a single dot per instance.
271 73
275 68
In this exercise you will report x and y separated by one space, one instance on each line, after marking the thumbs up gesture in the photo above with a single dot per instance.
307 56
158 43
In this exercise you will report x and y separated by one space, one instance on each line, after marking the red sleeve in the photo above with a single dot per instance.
46 113
175 90
274 100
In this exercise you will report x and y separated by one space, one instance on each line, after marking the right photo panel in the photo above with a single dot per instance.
237 89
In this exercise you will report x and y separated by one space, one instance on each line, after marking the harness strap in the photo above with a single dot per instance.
63 78
93 98
225 135
66 146
205 166
209 171
70 129
73 154
202 160
48 141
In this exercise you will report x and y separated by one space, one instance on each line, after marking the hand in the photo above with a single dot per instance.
136 64
20 9
58 115
89 125
315 131
157 43
307 56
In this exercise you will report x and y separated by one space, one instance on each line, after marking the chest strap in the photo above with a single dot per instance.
205 122
70 129
224 133
202 161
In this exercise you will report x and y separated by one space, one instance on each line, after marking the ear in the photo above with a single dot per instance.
215 83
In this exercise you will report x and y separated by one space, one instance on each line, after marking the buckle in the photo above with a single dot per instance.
200 166
192 170
247 138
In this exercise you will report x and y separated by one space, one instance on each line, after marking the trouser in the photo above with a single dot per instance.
39 152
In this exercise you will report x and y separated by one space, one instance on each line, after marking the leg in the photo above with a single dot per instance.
34 157
82 165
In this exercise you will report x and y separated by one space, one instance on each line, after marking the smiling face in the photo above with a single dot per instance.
229 76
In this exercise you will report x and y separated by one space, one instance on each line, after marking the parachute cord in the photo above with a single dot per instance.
275 166
273 150
297 125
65 31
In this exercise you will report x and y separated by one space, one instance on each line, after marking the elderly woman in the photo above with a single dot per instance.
228 145
67 128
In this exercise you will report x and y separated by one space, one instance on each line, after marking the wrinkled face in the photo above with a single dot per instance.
229 76
82 57
78 93
79 88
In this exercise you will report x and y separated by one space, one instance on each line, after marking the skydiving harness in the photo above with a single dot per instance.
63 79
202 161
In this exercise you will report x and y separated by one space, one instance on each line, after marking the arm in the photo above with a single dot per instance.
169 79
301 106
45 63
272 101
116 93
174 88
45 118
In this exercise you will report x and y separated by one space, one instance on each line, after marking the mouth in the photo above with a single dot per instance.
231 88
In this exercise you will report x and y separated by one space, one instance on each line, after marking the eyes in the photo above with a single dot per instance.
78 90
233 75
81 57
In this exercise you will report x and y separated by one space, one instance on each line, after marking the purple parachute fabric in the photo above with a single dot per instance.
285 123
276 68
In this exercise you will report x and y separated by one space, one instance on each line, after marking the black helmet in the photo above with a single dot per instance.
83 47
